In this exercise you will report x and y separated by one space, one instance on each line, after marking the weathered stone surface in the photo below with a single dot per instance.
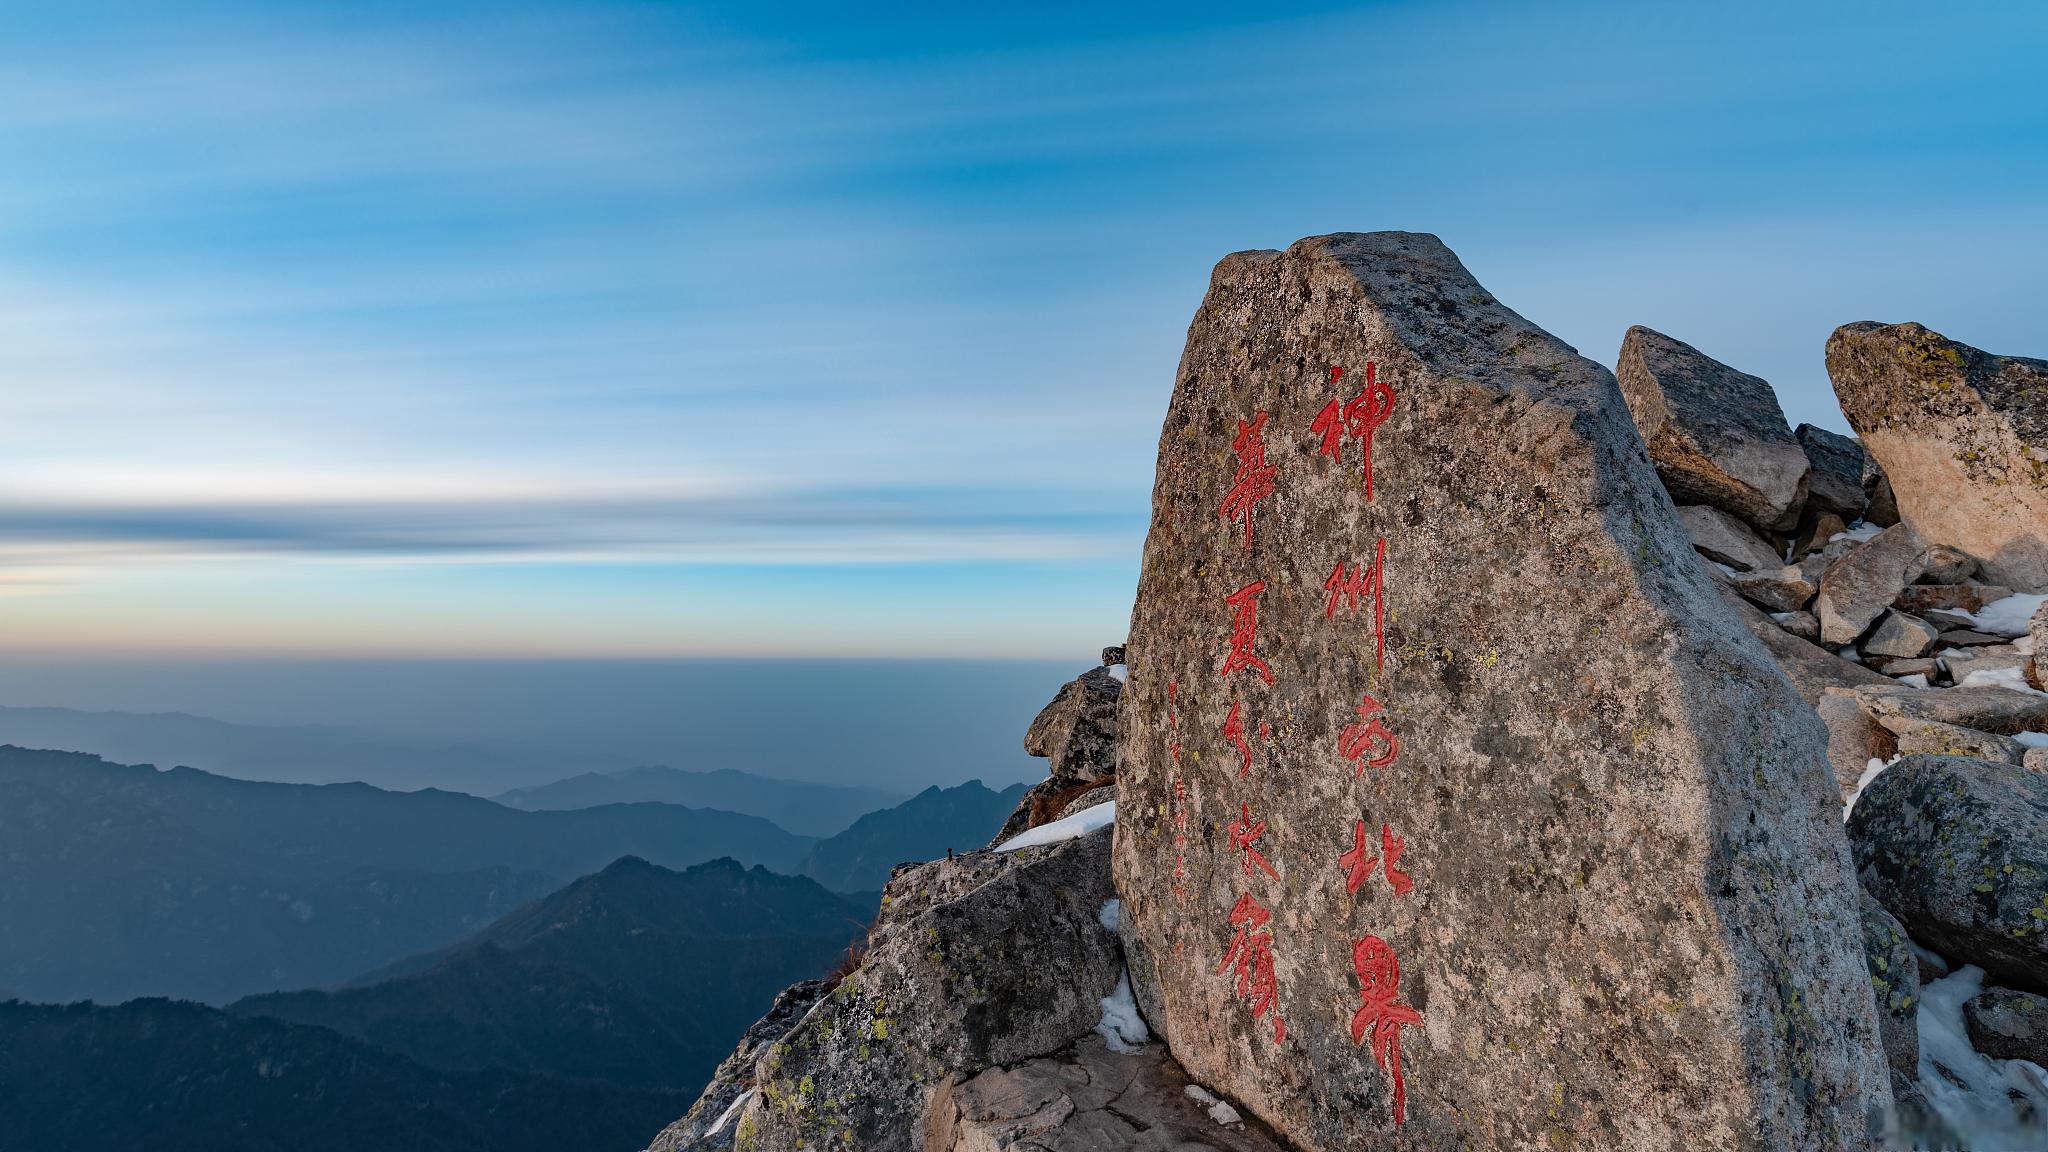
1902 636
1814 535
1854 739
1881 507
1918 666
1920 599
1999 710
1835 486
1777 589
1857 588
1727 540
1927 737
2035 760
1086 1099
1975 660
1967 638
735 1076
982 960
2008 1025
1895 981
1077 731
1716 435
1812 669
1957 849
1801 624
1631 911
1945 565
1962 434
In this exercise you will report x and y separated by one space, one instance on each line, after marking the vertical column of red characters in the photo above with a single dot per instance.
1355 585
1249 959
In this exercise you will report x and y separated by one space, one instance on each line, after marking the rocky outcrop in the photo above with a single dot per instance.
709 1125
1453 811
1076 733
1716 435
1957 849
2008 1025
984 960
1962 435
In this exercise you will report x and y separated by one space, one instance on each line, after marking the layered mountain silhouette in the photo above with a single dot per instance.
924 827
804 808
179 1077
122 880
637 976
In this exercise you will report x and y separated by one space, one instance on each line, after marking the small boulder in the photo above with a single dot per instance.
1815 535
2008 1025
1777 589
1726 540
1957 849
1920 599
1945 565
1835 488
1999 710
1882 508
1901 636
1927 737
1856 589
1716 436
1895 980
1854 739
2035 760
1918 666
1962 434
1077 731
1967 638
1801 624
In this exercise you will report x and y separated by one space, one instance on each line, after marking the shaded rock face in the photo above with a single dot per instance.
1854 739
2008 1025
735 1076
1077 731
1724 539
1453 811
1957 849
1857 588
1962 435
1895 982
1716 435
1086 1099
1836 484
983 960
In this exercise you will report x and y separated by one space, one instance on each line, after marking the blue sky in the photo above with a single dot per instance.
655 329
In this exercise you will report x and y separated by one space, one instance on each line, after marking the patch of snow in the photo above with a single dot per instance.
1782 617
2032 739
1951 653
1202 1096
1859 532
1916 680
731 1110
2007 617
1121 672
1999 678
1871 771
1990 1103
1848 652
1111 914
1219 1111
1725 569
1072 827
1121 1025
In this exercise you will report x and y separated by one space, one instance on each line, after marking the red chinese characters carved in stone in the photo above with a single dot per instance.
1359 864
1367 582
1368 734
1254 479
1379 982
1233 731
1357 419
1251 955
1244 837
1244 626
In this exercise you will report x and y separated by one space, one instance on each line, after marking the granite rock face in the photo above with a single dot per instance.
1962 435
979 961
2008 1025
1895 982
1076 733
1716 435
1724 539
700 1129
1456 809
1957 849
1836 484
1857 588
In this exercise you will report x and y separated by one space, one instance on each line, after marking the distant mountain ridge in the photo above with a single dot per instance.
179 1077
637 976
799 806
924 827
119 880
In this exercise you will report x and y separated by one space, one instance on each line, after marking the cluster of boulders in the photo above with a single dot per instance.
1076 735
1898 579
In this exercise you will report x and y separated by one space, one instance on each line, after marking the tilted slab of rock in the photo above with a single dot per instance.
1963 436
1836 483
1928 737
986 959
1455 809
1778 589
1724 539
1716 435
1957 849
1999 710
1902 636
1857 588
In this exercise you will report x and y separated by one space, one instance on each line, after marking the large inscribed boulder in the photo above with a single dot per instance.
1962 434
1457 809
1716 435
